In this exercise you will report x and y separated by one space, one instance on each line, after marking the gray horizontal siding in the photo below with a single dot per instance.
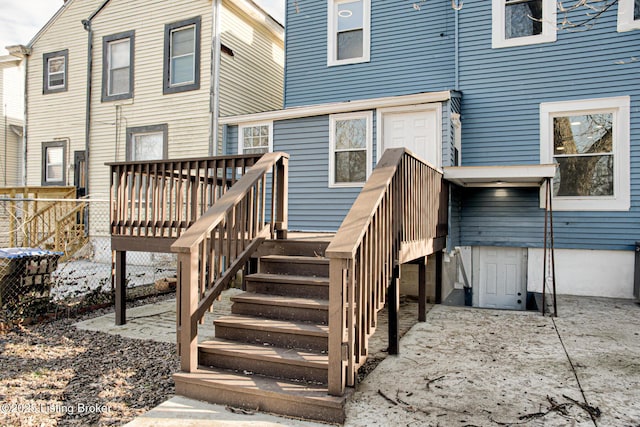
419 58
502 90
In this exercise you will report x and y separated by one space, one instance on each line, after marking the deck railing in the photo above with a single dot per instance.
220 242
33 213
400 215
163 198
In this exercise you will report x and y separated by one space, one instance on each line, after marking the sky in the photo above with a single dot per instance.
20 20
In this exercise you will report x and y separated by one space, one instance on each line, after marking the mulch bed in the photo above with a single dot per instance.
53 374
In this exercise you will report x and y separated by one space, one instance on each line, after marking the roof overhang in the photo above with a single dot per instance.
499 176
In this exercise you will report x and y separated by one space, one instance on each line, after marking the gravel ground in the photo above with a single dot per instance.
53 374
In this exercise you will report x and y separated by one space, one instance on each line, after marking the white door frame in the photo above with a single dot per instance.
434 107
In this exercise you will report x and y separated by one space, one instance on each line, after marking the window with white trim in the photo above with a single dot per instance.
182 56
147 142
117 66
588 141
523 22
255 138
350 148
349 31
628 15
54 156
55 71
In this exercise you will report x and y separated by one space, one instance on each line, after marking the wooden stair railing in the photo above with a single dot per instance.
400 215
220 242
162 198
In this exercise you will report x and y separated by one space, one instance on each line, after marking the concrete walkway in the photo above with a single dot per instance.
473 367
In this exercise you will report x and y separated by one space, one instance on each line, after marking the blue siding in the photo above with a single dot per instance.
411 52
502 90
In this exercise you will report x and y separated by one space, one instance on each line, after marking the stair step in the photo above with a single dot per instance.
281 307
282 333
294 265
255 392
296 286
308 248
265 360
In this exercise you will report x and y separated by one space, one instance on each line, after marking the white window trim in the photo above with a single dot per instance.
63 73
332 31
620 107
110 67
193 28
498 39
625 16
435 107
368 116
252 124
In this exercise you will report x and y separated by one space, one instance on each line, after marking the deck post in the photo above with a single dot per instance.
188 329
282 200
121 287
422 289
438 277
393 305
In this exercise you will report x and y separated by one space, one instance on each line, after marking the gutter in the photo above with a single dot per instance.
457 48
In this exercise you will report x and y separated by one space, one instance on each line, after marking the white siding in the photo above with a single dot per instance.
58 116
11 113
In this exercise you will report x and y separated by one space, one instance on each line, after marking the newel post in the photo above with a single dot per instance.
337 304
187 304
282 199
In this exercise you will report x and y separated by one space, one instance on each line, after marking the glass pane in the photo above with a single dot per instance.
56 65
351 134
350 15
119 82
351 166
182 42
523 19
259 150
636 10
55 157
119 52
350 44
584 176
182 70
56 80
587 134
147 146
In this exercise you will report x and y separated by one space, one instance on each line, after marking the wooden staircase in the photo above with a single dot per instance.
271 353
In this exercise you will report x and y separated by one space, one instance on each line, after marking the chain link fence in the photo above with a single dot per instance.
55 257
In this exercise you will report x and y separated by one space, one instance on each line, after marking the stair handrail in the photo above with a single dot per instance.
38 227
400 215
213 249
65 245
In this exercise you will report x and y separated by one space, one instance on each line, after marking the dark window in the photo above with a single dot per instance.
54 163
523 18
147 142
636 10
117 66
55 65
182 56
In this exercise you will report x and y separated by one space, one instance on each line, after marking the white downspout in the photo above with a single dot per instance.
214 91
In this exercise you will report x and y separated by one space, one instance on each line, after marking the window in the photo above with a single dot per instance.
117 66
54 162
523 22
628 15
55 71
182 56
350 149
147 142
255 138
589 143
348 37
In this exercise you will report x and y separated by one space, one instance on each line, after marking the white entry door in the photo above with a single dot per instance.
502 281
415 129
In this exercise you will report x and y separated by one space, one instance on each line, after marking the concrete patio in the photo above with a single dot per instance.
466 367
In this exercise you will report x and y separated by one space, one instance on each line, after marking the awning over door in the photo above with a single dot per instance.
499 176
